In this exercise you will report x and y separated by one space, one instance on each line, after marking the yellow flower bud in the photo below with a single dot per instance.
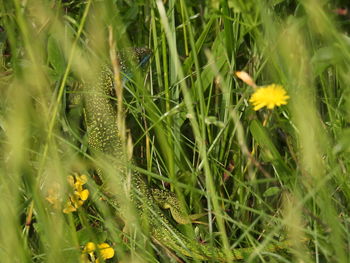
244 76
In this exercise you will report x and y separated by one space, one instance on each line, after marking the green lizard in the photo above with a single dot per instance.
104 139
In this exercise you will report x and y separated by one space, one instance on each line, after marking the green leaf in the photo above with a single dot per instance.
238 6
263 139
55 56
343 144
271 191
325 57
3 37
269 150
199 44
85 235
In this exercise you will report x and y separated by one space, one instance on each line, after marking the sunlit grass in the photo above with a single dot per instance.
261 175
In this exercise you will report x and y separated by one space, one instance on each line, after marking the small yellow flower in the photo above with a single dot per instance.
83 195
269 96
105 251
80 194
89 247
53 195
69 208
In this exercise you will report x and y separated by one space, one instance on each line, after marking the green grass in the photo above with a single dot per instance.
260 177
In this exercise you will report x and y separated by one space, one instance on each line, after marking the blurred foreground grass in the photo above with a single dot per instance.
261 176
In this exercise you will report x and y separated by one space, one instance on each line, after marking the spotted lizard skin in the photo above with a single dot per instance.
104 139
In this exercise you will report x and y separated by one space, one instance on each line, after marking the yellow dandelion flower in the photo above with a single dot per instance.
269 96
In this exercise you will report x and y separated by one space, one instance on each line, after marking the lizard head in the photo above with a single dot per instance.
138 56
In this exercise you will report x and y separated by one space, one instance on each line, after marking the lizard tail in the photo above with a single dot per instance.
189 248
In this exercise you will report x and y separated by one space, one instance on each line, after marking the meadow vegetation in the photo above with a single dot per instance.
262 167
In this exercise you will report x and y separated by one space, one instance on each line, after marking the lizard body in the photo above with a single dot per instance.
104 138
